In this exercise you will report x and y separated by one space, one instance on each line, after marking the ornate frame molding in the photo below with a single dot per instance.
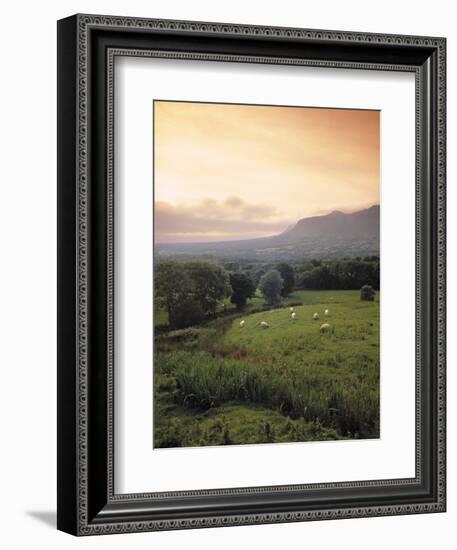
83 521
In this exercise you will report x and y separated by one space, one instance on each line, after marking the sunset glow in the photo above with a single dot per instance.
226 172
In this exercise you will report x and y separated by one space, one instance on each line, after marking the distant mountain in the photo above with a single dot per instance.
362 224
330 236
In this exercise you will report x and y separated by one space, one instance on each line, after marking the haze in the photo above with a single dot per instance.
227 172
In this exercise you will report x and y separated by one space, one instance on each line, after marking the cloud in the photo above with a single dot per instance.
211 220
217 166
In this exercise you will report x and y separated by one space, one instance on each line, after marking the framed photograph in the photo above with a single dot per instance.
251 274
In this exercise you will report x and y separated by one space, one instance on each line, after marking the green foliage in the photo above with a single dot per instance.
173 287
189 290
189 312
288 276
242 289
257 274
233 424
367 293
339 274
287 383
271 285
210 284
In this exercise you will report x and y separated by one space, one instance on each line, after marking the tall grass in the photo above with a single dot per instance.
349 404
326 380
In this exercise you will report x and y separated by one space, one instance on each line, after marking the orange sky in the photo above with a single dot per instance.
224 172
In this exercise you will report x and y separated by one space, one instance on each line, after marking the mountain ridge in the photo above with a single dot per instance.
336 234
338 224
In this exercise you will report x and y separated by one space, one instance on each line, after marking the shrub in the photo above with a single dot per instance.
367 293
188 313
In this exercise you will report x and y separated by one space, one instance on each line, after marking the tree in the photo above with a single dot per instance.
189 291
173 287
256 275
242 289
367 293
288 276
325 278
271 285
211 284
345 274
318 278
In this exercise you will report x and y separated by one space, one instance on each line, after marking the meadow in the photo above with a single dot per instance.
219 383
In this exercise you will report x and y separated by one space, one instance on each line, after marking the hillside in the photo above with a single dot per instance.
330 236
337 225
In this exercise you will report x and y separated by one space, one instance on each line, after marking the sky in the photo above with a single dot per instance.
228 172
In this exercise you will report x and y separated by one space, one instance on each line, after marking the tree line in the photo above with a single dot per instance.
190 291
340 274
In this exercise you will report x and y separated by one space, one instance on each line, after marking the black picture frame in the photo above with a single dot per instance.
87 503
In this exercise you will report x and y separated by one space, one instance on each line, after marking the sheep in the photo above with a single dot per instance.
326 313
325 328
316 316
293 315
264 324
242 323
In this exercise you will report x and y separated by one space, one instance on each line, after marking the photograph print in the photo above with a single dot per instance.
266 274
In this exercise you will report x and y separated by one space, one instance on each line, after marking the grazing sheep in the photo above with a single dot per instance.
264 324
293 315
325 328
242 323
316 316
326 312
291 309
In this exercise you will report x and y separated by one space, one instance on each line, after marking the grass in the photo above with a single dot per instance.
235 424
254 305
223 384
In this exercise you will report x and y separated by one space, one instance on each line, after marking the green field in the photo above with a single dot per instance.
220 384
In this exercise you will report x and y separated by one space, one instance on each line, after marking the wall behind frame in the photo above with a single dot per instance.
28 273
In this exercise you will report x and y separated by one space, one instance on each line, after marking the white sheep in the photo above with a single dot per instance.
316 316
325 328
293 315
326 312
242 323
264 324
